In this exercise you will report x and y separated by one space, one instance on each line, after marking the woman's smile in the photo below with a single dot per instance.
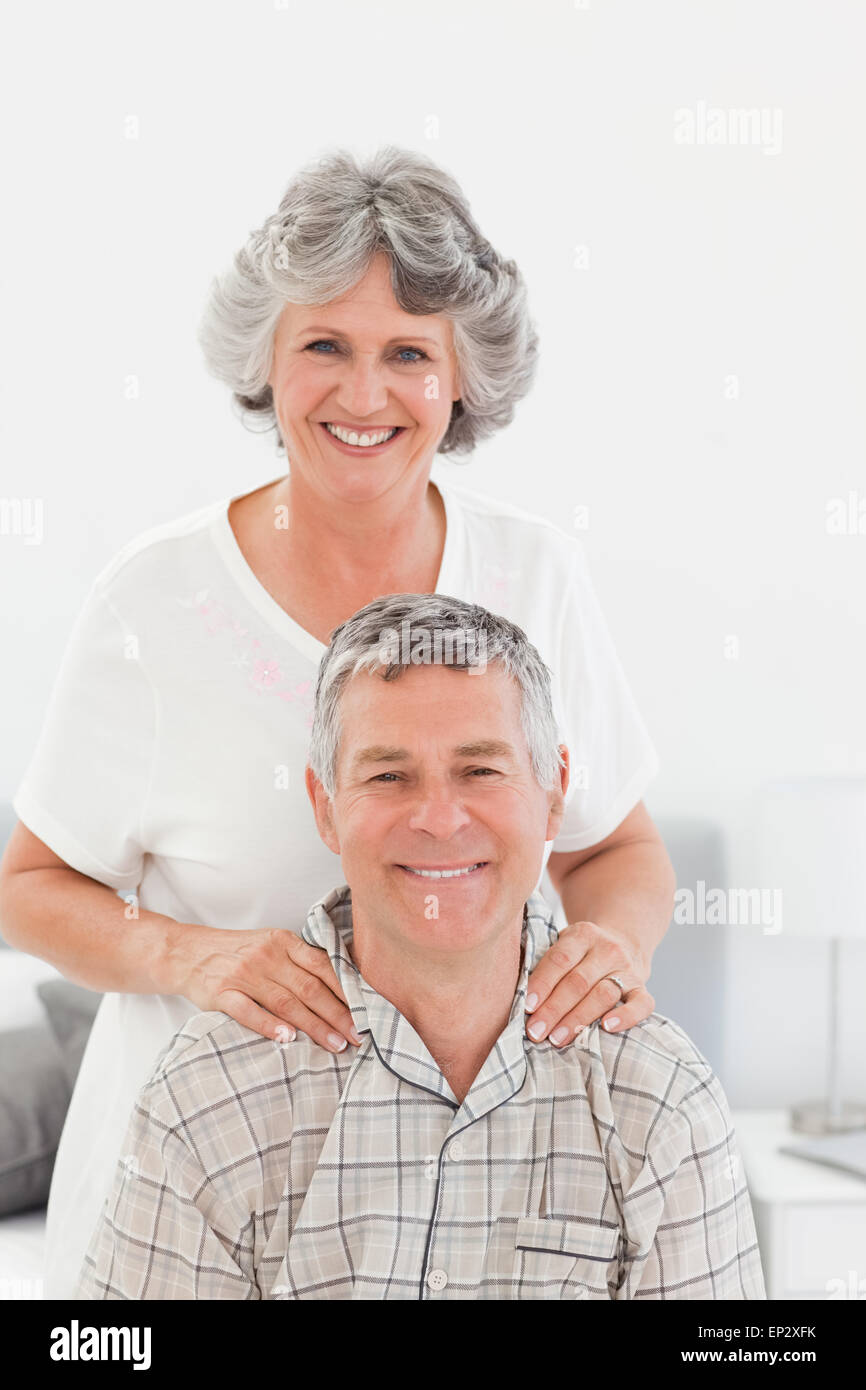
371 441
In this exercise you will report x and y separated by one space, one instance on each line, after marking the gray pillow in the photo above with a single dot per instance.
71 1010
34 1098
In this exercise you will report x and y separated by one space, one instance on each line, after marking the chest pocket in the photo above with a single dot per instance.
565 1259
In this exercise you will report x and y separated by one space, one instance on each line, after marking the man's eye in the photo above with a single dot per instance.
484 771
382 775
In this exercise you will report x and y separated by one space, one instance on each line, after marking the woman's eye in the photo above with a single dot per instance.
328 343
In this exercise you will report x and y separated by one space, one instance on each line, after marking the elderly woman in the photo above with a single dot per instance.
166 853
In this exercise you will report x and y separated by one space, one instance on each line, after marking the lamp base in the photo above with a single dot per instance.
815 1117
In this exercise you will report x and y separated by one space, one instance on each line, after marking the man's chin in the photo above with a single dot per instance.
452 913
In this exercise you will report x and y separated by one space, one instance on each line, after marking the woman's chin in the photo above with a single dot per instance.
364 480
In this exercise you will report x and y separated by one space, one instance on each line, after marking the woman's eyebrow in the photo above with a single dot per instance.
336 333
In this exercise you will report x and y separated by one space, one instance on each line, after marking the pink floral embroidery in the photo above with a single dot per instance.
303 693
263 671
265 674
298 692
496 585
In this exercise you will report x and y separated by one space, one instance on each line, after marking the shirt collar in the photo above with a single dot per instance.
399 1047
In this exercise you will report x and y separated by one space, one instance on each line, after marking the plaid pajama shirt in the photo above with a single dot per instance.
606 1169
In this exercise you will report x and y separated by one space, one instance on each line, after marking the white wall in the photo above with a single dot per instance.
705 262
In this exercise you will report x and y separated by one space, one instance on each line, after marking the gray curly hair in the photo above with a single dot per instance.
365 642
334 217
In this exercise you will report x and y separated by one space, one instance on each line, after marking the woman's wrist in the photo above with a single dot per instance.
175 955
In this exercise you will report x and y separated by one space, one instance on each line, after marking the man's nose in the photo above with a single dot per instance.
362 390
440 814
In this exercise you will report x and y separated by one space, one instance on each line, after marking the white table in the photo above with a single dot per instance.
810 1219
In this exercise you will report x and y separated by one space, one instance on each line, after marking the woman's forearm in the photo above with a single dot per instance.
87 932
628 888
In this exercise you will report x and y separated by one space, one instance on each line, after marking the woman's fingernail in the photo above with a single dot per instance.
536 1030
336 1042
559 1034
354 1035
531 1002
611 1023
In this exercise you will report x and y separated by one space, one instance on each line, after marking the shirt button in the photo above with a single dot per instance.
437 1279
455 1150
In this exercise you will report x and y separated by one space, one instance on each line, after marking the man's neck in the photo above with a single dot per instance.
457 1006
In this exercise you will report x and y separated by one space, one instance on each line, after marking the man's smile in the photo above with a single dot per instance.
458 871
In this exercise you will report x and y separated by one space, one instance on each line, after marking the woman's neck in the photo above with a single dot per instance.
378 545
322 562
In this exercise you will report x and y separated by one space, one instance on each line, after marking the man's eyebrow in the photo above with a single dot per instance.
485 748
335 333
479 748
380 753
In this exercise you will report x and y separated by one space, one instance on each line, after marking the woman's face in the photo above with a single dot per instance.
363 364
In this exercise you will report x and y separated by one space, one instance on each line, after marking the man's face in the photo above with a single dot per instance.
433 774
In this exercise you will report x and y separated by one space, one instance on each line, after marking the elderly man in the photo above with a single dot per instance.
449 1156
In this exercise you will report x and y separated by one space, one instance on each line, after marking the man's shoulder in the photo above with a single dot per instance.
213 1059
210 1033
653 1068
659 1042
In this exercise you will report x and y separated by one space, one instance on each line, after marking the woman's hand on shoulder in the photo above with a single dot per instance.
268 979
572 987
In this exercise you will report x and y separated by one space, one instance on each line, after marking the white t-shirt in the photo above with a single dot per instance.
171 761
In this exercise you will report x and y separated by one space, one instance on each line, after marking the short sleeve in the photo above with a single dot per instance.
83 791
612 758
160 1232
690 1208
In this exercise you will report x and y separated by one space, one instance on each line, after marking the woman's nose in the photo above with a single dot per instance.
362 390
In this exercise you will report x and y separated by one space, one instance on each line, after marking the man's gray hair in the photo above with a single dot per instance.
401 630
335 216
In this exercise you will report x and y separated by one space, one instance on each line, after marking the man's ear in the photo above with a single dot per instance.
322 810
557 798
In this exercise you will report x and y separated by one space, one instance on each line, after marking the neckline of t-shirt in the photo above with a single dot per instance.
263 602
